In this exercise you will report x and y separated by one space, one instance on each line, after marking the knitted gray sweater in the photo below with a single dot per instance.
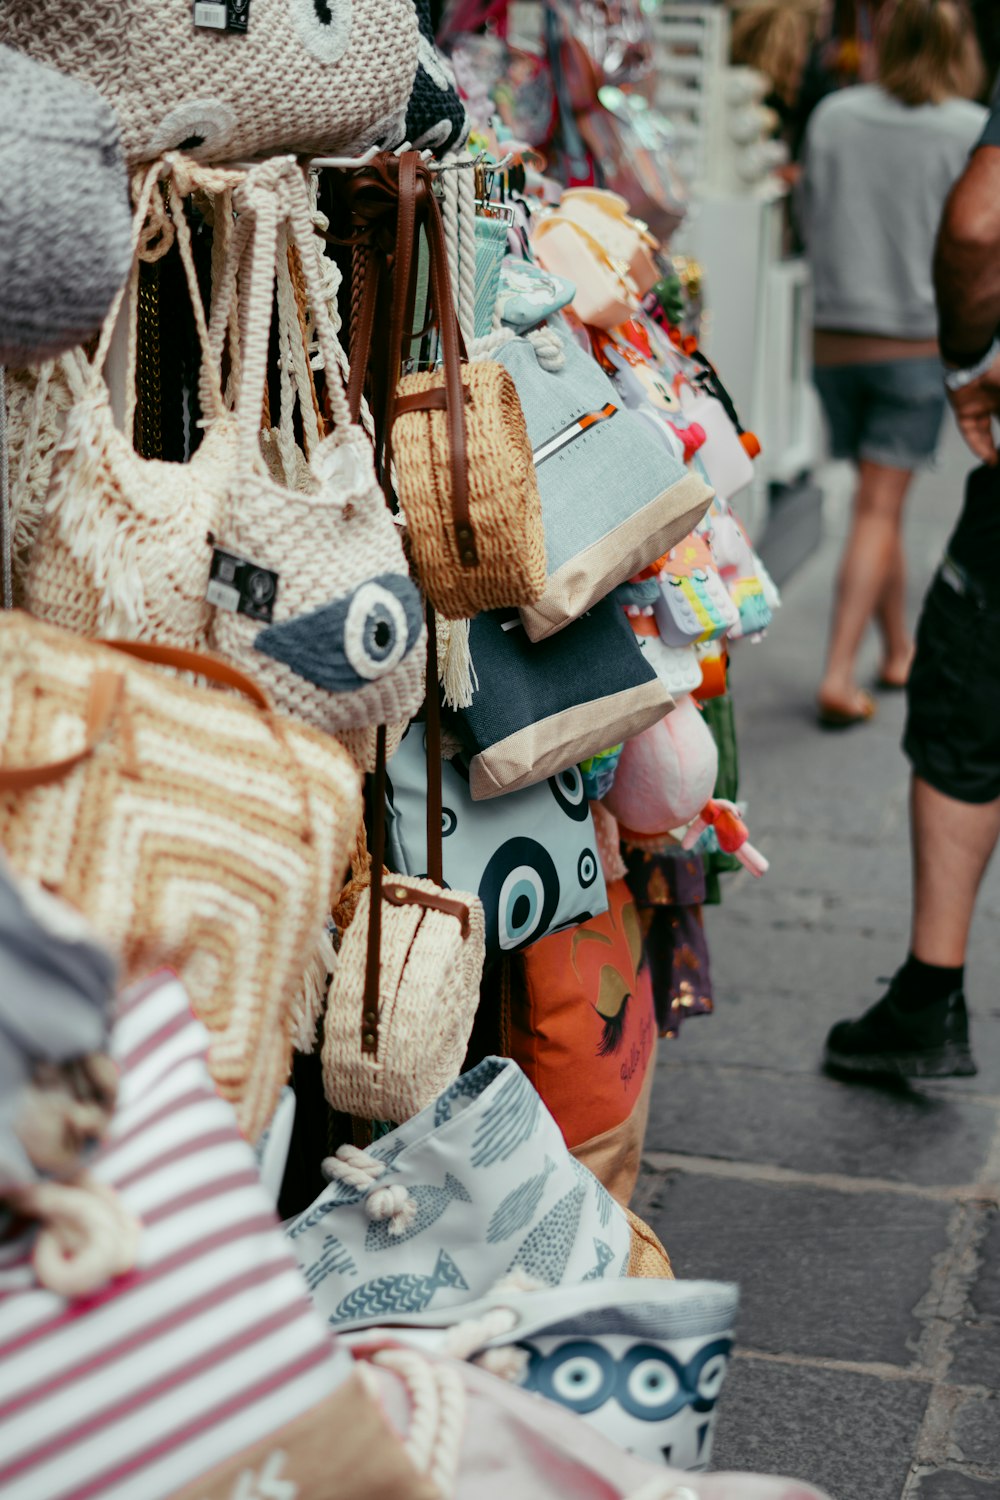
65 221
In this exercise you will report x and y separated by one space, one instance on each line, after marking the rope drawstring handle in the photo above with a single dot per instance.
437 1416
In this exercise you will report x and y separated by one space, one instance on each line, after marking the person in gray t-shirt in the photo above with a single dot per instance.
879 163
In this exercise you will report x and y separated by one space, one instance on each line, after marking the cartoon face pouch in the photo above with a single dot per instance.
529 294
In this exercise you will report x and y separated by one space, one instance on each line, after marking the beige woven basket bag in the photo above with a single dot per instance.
196 830
406 988
464 471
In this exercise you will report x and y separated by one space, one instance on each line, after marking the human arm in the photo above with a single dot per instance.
967 287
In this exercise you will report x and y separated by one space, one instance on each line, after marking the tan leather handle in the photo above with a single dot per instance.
212 668
107 698
107 691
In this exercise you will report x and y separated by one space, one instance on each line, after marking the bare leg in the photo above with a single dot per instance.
867 564
890 617
952 845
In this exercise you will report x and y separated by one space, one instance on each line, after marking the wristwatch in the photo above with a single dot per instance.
957 380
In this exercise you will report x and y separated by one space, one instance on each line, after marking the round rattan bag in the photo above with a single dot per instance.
505 509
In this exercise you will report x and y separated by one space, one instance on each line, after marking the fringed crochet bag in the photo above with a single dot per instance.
196 830
226 82
406 988
313 592
121 549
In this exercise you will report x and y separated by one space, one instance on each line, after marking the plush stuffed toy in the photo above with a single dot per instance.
666 774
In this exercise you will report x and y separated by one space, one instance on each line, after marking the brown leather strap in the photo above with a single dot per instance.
370 1010
436 399
452 350
403 895
406 895
107 693
212 668
435 822
400 190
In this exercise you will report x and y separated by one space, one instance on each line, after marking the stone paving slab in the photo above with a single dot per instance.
950 1484
819 1125
850 1434
975 1433
829 1274
871 1295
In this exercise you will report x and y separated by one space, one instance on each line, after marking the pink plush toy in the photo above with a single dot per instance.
731 832
666 775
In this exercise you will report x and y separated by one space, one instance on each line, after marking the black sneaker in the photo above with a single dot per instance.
891 1043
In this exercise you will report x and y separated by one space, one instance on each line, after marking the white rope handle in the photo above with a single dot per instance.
143 201
437 1420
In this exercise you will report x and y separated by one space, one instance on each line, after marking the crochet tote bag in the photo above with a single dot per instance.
313 592
228 79
121 547
195 830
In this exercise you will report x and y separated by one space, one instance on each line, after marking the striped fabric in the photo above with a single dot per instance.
209 1346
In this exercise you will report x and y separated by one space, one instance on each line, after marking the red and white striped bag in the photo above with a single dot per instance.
205 1372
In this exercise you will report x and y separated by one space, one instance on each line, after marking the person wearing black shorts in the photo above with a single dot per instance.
920 1027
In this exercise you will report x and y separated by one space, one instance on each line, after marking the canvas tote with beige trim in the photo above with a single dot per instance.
538 708
614 498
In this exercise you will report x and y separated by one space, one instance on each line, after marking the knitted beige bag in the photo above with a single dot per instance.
195 830
300 76
406 988
122 548
314 595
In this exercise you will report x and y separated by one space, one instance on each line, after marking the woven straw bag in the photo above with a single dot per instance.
503 505
343 644
122 547
406 989
195 830
464 473
302 76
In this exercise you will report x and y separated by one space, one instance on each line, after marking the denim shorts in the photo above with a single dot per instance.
889 412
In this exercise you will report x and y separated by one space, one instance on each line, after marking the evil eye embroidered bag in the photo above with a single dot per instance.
531 857
313 593
434 1214
613 498
228 80
541 708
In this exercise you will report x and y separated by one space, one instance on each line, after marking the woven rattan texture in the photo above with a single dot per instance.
504 504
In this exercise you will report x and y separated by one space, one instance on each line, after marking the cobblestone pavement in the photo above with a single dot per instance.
863 1224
